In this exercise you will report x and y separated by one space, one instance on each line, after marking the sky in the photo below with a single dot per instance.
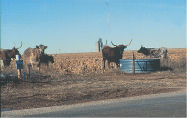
74 26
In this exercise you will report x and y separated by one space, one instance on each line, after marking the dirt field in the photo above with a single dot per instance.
75 78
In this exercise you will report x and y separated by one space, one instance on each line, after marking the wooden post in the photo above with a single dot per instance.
18 70
133 64
19 73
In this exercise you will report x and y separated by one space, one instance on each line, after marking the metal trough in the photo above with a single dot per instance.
141 65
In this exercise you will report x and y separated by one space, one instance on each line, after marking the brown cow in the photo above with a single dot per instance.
33 56
7 54
113 54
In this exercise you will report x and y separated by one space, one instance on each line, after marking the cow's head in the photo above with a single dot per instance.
121 47
15 51
41 48
142 49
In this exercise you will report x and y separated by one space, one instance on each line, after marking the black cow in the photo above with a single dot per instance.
46 59
113 54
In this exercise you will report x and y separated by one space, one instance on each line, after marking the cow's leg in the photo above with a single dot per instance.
117 64
39 67
8 62
164 60
5 63
29 69
166 57
103 64
108 64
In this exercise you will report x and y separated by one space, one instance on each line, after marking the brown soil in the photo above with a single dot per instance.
59 85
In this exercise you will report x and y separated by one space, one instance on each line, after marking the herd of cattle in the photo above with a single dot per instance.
32 56
36 56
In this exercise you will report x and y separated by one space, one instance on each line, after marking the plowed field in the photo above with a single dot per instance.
78 77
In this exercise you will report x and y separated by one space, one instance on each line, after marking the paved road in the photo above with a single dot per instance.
164 105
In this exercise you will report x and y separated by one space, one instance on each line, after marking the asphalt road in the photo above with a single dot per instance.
163 105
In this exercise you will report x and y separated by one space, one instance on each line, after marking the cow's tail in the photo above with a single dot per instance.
166 54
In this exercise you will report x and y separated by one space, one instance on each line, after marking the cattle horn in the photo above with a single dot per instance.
129 43
20 46
113 44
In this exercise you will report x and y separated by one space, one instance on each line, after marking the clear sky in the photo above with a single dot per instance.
71 26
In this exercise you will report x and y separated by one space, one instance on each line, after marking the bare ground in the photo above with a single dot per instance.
71 89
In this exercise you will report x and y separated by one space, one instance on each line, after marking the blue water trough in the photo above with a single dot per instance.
140 65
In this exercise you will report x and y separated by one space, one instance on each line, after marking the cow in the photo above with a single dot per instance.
46 59
7 54
113 54
33 56
153 52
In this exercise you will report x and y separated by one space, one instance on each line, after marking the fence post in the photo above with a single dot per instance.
19 70
133 64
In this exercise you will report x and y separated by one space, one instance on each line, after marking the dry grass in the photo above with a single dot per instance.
71 89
